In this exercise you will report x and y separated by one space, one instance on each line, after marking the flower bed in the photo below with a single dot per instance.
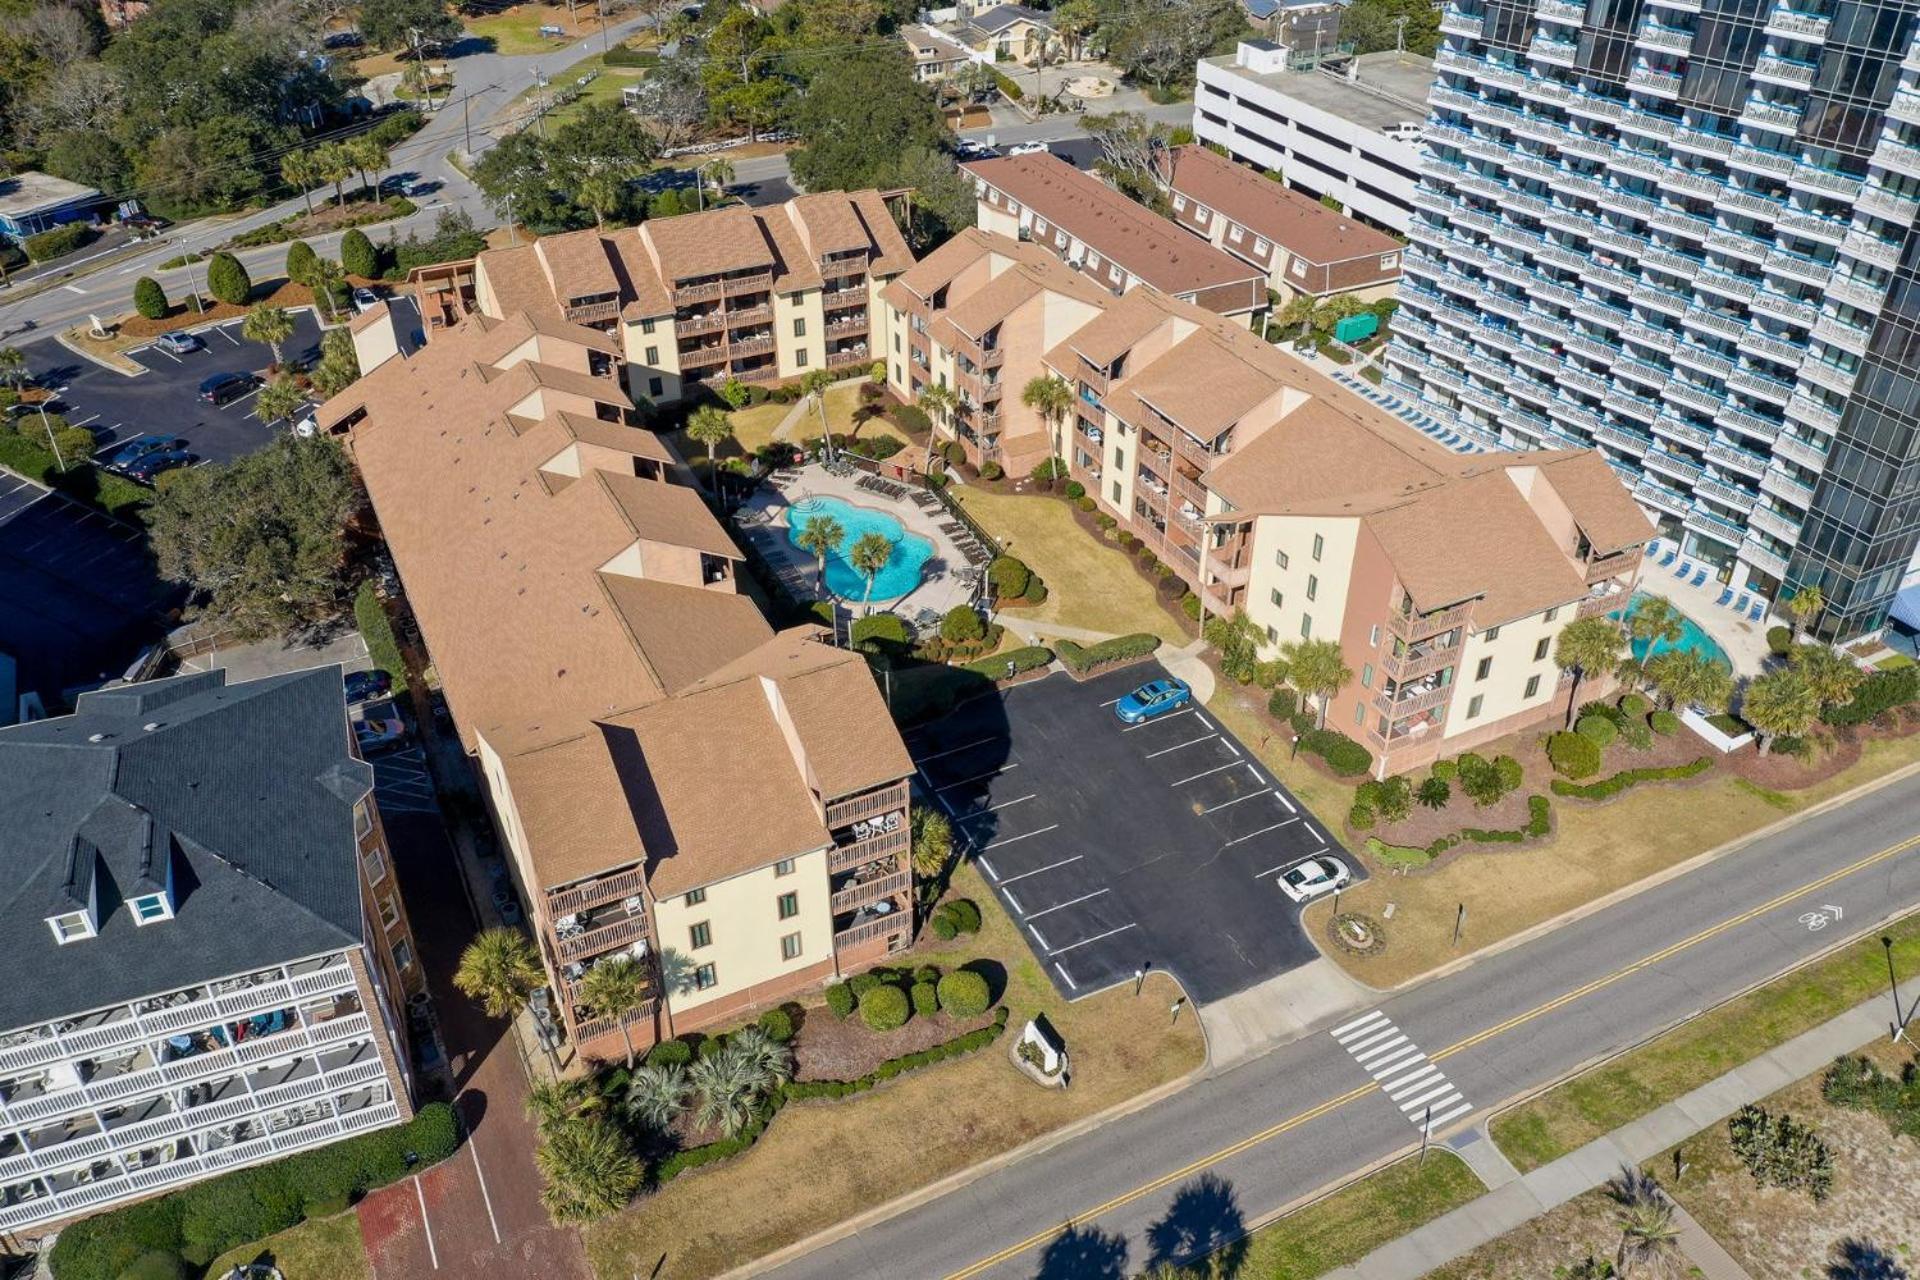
1539 824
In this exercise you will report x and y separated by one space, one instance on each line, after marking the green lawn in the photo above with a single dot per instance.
1091 584
605 86
517 30
317 1249
1573 1114
1353 1222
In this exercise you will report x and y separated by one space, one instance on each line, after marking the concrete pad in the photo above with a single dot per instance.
1279 1010
277 657
1499 1212
1763 1076
1570 1175
1485 1159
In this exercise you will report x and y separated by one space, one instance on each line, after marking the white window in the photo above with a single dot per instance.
1093 260
1260 246
402 956
1298 266
1179 204
1235 235
363 818
151 907
71 927
376 860
1388 261
1039 226
1201 216
389 914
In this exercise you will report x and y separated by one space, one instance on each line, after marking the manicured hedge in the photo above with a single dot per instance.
963 993
1030 658
626 56
840 999
1084 658
111 493
1664 723
1539 823
1576 755
1619 782
57 242
1343 755
202 1221
885 1008
1601 729
888 628
1880 691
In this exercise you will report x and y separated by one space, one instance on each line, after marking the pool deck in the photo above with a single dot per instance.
1743 640
764 522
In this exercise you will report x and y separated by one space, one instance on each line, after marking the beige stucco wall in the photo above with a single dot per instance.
1294 535
635 341
788 307
997 220
744 916
1503 692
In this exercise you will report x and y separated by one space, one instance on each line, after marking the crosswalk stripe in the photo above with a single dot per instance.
1393 1062
1444 1089
1402 1072
1340 1032
1364 1058
1446 1117
1407 1083
1374 1036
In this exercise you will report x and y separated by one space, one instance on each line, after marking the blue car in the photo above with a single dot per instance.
1155 698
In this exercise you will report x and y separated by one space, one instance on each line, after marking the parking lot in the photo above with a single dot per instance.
165 400
1120 847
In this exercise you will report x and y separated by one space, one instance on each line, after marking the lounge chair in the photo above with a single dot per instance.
1726 594
1740 605
1686 567
1758 611
1670 557
1700 578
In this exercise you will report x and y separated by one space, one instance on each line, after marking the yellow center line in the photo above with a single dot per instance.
1039 1238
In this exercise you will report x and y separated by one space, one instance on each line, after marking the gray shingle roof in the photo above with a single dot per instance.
243 795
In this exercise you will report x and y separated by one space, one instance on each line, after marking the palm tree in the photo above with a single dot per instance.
1685 678
500 969
369 156
726 1084
1645 1218
270 325
13 367
937 401
336 166
1807 604
553 1102
813 385
590 1170
281 398
870 553
1829 673
657 1095
719 172
932 841
601 190
765 1058
1780 702
300 169
1052 399
1298 313
1318 669
328 276
821 534
1655 621
616 988
710 427
1586 646
1856 1259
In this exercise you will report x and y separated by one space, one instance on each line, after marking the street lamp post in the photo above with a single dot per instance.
1893 981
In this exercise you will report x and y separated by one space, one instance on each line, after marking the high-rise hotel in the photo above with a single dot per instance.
1683 231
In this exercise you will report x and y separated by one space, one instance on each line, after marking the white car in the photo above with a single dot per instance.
1305 881
1028 149
364 300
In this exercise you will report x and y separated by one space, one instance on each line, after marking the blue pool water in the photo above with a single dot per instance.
1691 637
910 550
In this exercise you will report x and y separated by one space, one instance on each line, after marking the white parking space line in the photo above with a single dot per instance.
1196 777
1065 976
956 750
1087 941
1110 701
162 351
1008 804
1010 839
1283 800
1039 938
1262 831
484 1194
991 873
991 773
1226 804
1035 915
1017 908
1232 748
1148 724
1192 742
1202 719
222 331
1037 870
432 1253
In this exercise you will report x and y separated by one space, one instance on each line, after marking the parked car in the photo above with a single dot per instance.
379 730
178 343
364 300
1152 699
139 447
361 685
148 466
343 40
225 388
1028 149
505 902
1305 881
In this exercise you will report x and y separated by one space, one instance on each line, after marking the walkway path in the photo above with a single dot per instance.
1511 1203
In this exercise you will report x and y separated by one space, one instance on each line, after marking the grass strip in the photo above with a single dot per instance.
1574 1113
1355 1220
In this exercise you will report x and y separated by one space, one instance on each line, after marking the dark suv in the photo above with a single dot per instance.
225 388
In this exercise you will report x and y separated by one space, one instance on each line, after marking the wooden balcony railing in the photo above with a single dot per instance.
593 312
841 359
697 292
859 895
592 893
705 322
1614 565
852 808
1410 704
895 922
750 346
844 857
606 937
749 315
736 285
691 358
1418 626
594 1028
1419 661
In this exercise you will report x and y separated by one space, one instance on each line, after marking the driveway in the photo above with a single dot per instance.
1118 848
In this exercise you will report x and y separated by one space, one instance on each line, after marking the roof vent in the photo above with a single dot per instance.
96 737
151 725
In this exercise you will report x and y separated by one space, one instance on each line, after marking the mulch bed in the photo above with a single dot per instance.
1840 749
277 293
830 1048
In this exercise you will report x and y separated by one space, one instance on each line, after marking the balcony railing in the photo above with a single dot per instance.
852 808
705 322
1406 704
744 316
1420 660
866 931
734 286
1418 626
606 937
844 298
1612 566
593 893
844 857
859 895
597 1027
593 312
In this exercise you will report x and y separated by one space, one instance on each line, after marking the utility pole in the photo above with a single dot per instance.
604 47
1893 980
466 120
1400 35
62 463
540 98
513 237
426 73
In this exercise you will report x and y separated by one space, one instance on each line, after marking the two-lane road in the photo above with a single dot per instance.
1284 1125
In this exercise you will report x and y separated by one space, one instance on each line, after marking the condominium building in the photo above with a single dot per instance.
211 957
1301 246
673 779
753 295
1687 239
1346 127
1113 241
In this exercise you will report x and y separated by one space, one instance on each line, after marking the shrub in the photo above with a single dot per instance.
1664 723
672 1053
1346 757
1539 816
878 630
943 927
956 453
1880 691
840 1001
911 418
1009 577
1574 755
1075 490
777 1024
157 1266
711 1046
990 471
1445 770
1036 591
1190 605
966 915
1083 502
1779 1151
1599 729
57 242
1361 816
149 299
376 629
227 280
302 262
963 994
1779 640
358 257
1487 781
1268 675
1609 787
926 1000
1392 798
927 973
1027 658
1635 734
1605 710
961 625
864 983
1282 703
1434 793
1084 658
885 1008
1633 706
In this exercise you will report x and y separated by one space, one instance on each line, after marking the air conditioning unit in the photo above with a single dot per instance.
634 906
575 971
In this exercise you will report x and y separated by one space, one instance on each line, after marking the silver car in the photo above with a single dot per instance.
1307 880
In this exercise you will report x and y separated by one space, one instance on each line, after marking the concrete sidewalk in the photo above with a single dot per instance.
1513 1202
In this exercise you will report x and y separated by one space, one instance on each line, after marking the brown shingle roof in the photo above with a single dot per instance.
577 265
938 268
681 632
669 513
1143 243
574 807
638 441
1320 459
704 244
828 223
1301 224
1610 518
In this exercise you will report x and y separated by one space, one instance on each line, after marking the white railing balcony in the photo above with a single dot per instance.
1887 204
1782 485
1664 83
1898 156
1871 248
1811 454
1781 526
1667 39
1856 292
1791 25
1772 115
1803 408
1784 71
1818 179
1455 23
1905 107
1763 558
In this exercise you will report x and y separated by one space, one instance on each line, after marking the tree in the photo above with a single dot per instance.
300 262
590 1171
1685 678
599 153
1586 646
1434 793
149 299
729 1085
1375 25
300 169
281 398
1779 702
1654 621
369 155
339 363
1806 604
13 367
737 71
1319 670
1051 398
717 173
673 97
1829 673
262 537
554 1102
870 553
656 1095
615 987
1159 41
1133 155
389 24
765 1060
942 200
710 427
358 257
1297 313
1237 639
932 841
518 176
500 969
821 534
270 325
1645 1217
857 119
227 280
937 401
334 165
328 283
1075 20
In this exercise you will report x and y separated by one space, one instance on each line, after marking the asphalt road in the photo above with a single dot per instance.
1281 1126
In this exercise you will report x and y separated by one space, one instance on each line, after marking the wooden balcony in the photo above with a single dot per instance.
1418 626
1420 660
758 282
699 291
593 312
705 322
844 857
696 357
749 315
1595 606
854 297
900 922
593 893
594 1028
1411 704
859 895
606 937
841 359
852 808
754 346
1613 566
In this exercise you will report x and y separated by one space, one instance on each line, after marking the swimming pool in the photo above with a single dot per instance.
1691 637
910 550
